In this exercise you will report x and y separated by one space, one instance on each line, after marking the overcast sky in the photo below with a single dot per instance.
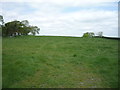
65 17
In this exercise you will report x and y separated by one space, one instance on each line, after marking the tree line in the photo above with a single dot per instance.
92 34
17 28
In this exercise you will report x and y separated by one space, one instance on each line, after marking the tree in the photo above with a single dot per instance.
25 23
91 34
12 28
1 19
100 34
34 30
1 25
88 34
15 28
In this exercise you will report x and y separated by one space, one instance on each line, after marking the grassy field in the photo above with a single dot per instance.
59 62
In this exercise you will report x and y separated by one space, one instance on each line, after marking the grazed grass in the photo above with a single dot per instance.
59 62
0 61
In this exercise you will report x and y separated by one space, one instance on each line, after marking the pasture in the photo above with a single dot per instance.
59 62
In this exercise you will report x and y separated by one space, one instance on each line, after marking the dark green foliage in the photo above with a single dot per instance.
1 20
17 28
34 30
11 28
1 24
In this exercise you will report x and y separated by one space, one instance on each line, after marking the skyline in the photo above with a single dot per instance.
65 17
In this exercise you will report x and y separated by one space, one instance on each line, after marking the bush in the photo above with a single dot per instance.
88 34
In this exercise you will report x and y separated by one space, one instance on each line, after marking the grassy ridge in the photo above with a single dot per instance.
59 62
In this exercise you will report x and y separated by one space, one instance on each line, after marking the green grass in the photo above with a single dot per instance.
59 62
0 62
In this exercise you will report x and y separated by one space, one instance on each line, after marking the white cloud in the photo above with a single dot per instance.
49 17
59 1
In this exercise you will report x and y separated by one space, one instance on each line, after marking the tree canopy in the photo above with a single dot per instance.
1 19
1 23
17 28
88 34
100 34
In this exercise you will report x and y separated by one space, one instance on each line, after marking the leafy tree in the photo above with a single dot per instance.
15 28
25 23
1 19
1 25
34 30
12 28
100 34
88 34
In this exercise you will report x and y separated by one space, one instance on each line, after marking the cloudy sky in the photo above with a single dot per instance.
65 17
